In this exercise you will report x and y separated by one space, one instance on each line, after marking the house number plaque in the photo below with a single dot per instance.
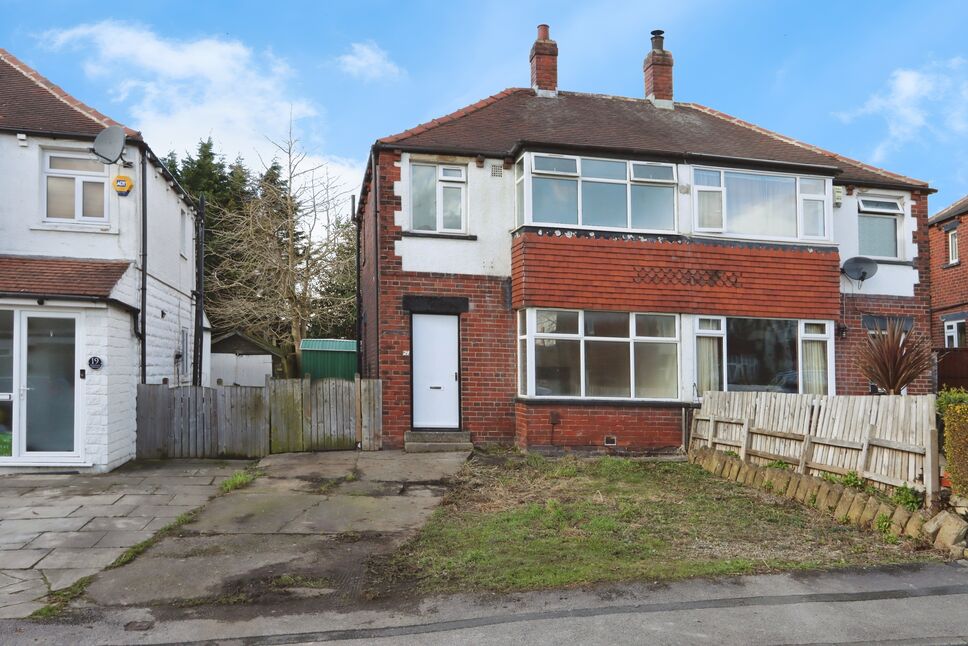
95 363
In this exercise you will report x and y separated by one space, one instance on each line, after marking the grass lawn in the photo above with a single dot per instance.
537 523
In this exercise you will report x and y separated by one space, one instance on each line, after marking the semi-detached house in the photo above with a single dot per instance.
562 269
97 272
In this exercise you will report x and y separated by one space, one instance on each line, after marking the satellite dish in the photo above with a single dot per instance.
109 144
859 268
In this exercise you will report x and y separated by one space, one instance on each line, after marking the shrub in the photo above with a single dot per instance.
853 480
949 396
892 358
778 464
956 445
907 497
731 453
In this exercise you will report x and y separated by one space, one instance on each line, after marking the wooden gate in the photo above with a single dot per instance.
286 415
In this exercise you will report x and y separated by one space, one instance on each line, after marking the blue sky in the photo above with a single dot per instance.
884 82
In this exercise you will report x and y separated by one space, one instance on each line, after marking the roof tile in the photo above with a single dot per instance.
59 276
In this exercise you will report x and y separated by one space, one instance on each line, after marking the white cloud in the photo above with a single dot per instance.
368 61
181 91
929 101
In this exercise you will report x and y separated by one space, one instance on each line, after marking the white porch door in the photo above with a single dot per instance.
48 384
436 371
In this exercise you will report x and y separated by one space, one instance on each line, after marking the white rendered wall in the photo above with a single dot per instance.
490 217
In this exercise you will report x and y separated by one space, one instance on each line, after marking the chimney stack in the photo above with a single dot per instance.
658 73
544 63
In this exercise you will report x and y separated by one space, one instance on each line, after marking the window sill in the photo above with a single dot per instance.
588 401
444 236
888 261
79 227
949 265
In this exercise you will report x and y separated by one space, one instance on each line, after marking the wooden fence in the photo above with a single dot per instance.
250 422
888 440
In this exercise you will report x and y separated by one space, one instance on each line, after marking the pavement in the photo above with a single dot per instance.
890 605
303 529
58 528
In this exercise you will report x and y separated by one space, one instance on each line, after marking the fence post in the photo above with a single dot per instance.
931 471
806 454
712 431
358 408
865 452
745 438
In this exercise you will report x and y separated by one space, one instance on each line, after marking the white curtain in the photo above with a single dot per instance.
709 363
815 367
761 204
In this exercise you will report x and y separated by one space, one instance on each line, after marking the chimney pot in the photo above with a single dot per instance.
657 69
544 63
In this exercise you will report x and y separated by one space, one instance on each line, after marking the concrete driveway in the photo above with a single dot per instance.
58 528
304 530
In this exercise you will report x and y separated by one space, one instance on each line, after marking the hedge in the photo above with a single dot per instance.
956 446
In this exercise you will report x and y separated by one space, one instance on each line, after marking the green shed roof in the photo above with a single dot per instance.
328 345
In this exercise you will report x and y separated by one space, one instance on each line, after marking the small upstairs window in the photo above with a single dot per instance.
75 188
438 200
878 226
953 246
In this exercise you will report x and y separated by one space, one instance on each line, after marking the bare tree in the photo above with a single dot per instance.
893 358
279 251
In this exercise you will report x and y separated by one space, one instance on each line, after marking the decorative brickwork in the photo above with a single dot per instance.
648 275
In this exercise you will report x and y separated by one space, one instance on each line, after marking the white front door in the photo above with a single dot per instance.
436 371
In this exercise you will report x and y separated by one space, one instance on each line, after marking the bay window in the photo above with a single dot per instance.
595 193
773 355
878 226
75 187
760 204
437 198
592 354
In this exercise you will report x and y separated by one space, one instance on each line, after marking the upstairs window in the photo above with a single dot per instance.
601 193
878 227
438 198
75 188
760 204
953 246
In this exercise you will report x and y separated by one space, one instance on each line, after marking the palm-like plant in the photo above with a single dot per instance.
893 358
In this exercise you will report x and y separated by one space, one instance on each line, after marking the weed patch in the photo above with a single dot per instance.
59 600
238 480
135 551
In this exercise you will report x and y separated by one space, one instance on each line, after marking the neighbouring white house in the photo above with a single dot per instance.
97 280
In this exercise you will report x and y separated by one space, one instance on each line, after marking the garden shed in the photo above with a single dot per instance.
329 358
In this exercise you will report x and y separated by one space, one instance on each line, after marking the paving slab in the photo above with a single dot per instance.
65 578
16 538
339 514
118 524
20 610
309 465
52 511
117 509
414 467
252 513
146 499
191 500
22 559
123 538
66 539
43 525
160 511
66 557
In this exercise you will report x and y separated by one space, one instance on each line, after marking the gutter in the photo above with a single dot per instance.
130 309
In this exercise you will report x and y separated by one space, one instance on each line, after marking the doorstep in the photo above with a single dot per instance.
437 441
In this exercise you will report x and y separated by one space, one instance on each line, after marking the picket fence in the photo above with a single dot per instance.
285 415
889 440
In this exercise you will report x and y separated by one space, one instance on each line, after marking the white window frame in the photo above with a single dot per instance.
951 332
828 337
953 255
441 182
802 336
826 198
581 337
897 214
530 172
78 177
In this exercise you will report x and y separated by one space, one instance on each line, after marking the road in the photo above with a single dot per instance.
925 604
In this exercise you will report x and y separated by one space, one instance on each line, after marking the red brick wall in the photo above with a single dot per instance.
949 285
584 426
684 275
487 335
368 286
